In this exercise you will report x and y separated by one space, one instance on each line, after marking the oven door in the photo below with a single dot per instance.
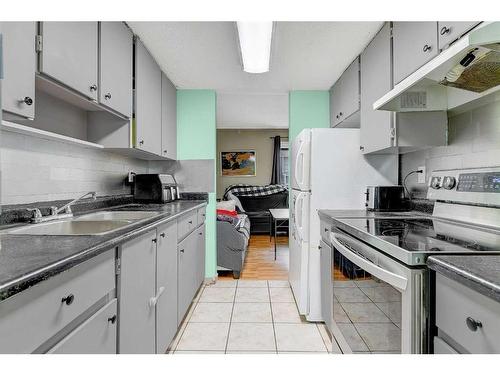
378 303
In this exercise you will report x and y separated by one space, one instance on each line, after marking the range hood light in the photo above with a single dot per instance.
255 45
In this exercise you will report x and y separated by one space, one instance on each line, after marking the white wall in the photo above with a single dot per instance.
473 141
34 170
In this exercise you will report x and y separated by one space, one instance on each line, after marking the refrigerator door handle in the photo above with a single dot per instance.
300 155
298 216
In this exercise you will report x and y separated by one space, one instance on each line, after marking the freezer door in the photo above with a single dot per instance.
300 214
300 162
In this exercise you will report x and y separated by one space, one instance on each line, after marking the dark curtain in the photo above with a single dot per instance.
276 172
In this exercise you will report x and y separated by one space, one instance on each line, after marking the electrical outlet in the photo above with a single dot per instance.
421 176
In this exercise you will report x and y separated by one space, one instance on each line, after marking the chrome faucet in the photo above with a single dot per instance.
55 213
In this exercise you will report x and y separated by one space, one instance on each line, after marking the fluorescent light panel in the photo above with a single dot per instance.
255 44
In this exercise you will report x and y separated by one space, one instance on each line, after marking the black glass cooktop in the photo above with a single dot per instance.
428 235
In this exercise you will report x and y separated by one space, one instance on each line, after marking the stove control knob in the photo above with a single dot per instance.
436 182
449 182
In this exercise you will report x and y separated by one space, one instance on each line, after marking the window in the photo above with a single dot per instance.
285 175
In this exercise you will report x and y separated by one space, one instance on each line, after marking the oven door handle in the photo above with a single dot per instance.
390 278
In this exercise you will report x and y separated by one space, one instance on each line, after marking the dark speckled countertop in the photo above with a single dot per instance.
478 272
26 260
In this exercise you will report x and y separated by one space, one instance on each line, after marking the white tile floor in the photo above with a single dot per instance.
249 316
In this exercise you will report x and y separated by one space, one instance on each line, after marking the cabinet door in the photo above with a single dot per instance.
375 82
450 31
187 268
335 94
147 101
349 102
200 272
166 278
97 335
115 62
19 66
415 43
69 55
168 118
136 288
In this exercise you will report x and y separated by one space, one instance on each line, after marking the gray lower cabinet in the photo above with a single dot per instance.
384 131
147 93
69 54
467 321
344 99
115 67
451 31
19 67
166 286
187 266
136 287
415 43
97 335
200 247
168 118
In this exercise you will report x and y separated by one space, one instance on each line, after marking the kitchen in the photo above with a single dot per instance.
108 223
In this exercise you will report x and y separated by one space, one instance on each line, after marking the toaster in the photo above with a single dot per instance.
385 198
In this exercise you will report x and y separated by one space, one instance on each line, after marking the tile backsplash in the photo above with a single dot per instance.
36 170
473 141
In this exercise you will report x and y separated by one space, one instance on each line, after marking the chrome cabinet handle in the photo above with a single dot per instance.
68 300
112 320
107 96
93 87
426 48
326 229
473 324
141 142
154 300
164 151
340 113
162 235
27 100
190 222
154 240
445 30
181 250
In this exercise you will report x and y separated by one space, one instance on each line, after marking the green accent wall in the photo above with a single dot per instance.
308 109
197 139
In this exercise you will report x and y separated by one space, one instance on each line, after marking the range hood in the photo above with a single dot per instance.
465 75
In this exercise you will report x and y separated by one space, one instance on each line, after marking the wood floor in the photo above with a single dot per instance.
260 263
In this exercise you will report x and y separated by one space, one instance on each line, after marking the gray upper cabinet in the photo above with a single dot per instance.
385 131
451 31
168 118
375 82
19 66
115 62
69 55
136 288
415 43
344 100
166 286
147 101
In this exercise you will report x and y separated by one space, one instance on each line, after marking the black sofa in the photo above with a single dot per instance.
257 209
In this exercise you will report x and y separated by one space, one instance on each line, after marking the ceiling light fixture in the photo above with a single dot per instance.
255 45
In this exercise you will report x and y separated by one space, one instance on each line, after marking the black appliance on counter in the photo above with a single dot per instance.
158 188
386 198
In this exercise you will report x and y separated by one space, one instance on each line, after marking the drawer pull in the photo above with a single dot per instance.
154 240
68 300
426 48
326 230
162 235
181 250
473 324
190 221
112 320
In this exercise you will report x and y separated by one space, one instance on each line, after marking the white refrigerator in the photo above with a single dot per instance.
328 171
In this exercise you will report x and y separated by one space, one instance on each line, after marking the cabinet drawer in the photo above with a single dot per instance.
186 224
455 303
202 213
325 228
30 318
97 335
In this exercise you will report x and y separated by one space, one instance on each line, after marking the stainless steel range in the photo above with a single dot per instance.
379 276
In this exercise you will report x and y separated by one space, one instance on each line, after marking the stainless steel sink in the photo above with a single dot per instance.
72 228
118 215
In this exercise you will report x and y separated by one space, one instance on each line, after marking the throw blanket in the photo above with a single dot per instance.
234 191
240 222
